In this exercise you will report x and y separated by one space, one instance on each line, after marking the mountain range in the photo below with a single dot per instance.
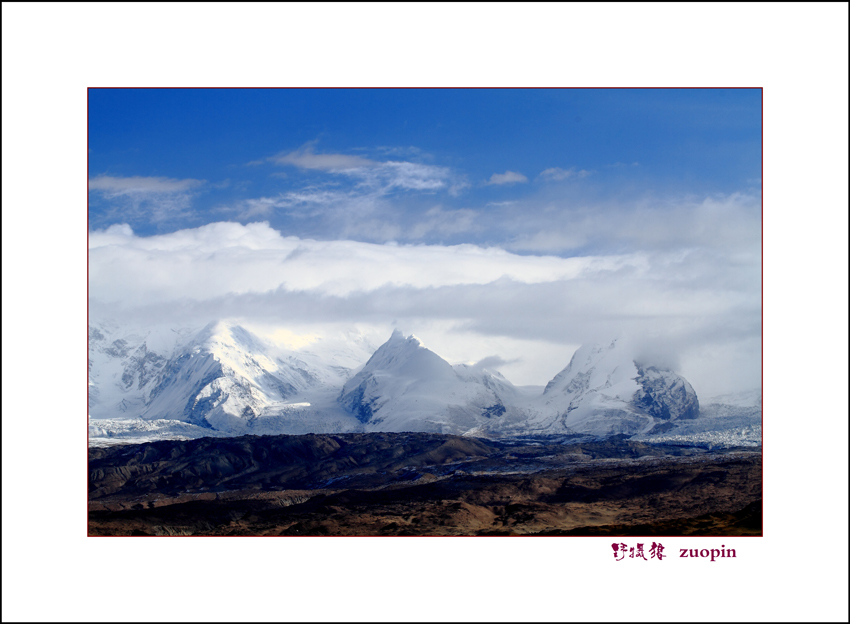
222 380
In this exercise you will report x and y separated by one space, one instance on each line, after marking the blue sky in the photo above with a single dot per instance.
248 155
506 224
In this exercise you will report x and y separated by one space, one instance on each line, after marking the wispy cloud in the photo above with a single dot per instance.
493 362
137 185
306 158
372 175
315 199
727 223
410 151
556 173
355 197
459 186
402 175
444 222
140 198
508 177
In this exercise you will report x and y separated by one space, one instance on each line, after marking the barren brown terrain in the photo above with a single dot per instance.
421 484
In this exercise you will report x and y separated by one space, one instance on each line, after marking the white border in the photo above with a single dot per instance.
52 52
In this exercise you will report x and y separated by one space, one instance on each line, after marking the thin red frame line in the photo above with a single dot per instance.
424 89
88 319
762 312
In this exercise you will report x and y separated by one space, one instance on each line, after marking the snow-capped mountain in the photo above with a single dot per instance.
124 366
603 391
223 379
406 387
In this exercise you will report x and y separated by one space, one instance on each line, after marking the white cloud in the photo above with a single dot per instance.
409 151
724 223
404 175
226 258
309 202
466 301
493 362
306 158
363 208
140 198
556 173
458 186
445 222
118 234
370 176
508 177
138 185
260 207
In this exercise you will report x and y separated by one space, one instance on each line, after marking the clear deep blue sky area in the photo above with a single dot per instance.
293 157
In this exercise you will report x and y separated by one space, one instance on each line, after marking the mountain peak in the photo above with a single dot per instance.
212 330
225 377
414 379
223 333
605 390
398 339
591 359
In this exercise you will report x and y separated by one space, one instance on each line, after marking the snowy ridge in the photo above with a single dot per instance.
219 378
223 380
406 387
593 394
124 365
603 391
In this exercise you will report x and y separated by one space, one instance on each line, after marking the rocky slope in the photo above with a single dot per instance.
417 484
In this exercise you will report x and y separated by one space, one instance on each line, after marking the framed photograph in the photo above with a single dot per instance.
434 312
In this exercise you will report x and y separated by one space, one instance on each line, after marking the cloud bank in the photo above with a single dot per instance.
467 302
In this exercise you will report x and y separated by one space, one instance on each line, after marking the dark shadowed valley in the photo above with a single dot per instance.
421 484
